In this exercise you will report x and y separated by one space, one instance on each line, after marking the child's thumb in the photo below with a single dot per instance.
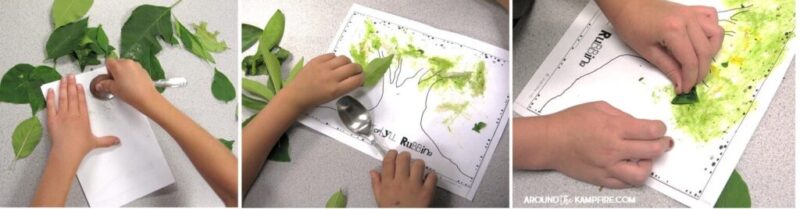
107 141
105 86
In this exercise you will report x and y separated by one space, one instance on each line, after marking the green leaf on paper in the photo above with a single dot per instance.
376 69
250 36
208 39
735 194
67 11
139 33
280 152
687 98
337 200
66 39
222 88
228 144
478 126
25 137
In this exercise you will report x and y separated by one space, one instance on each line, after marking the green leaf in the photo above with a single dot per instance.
274 69
250 35
735 194
228 144
66 39
139 33
66 11
478 126
40 76
296 69
257 89
272 34
280 152
337 200
94 44
191 43
252 104
20 85
687 98
282 54
209 40
376 69
247 121
153 67
102 40
222 88
25 137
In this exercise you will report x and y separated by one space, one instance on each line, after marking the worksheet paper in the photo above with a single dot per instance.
591 63
120 174
419 111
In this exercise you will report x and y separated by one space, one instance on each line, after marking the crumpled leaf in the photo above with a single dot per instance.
250 35
139 33
376 69
222 88
26 137
687 98
191 43
337 200
67 11
94 44
209 40
66 39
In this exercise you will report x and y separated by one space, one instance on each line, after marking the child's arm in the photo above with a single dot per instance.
403 182
323 79
215 163
680 40
68 125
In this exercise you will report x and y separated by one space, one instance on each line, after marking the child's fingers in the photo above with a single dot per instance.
632 173
388 165
430 183
678 43
376 183
349 70
667 64
614 183
72 94
350 84
321 58
81 100
51 105
62 95
338 62
107 141
703 49
403 161
417 170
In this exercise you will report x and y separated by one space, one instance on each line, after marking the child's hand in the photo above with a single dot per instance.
323 79
68 122
402 182
592 142
680 40
131 82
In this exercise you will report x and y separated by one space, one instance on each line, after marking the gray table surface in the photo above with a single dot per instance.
26 26
768 164
321 165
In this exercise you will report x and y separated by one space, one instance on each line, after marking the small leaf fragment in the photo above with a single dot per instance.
222 88
228 144
478 126
208 39
337 200
25 137
687 98
280 152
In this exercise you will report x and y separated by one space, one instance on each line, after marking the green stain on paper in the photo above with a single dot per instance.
455 110
443 75
757 37
369 44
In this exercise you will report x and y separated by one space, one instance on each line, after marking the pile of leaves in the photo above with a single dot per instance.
72 37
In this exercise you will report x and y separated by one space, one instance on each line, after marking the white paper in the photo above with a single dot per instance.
693 173
115 176
400 108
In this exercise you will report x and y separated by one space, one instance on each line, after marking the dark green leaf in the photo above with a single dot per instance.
282 54
25 137
228 144
735 194
138 38
272 34
376 69
687 98
296 69
208 39
257 89
40 76
252 104
14 86
247 121
191 43
66 11
337 200
66 39
478 126
222 88
153 67
250 35
280 152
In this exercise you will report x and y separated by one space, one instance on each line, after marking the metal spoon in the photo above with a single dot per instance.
356 117
105 95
